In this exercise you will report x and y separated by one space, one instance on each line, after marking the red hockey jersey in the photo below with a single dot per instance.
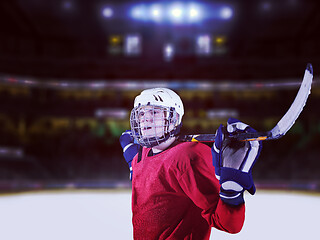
175 195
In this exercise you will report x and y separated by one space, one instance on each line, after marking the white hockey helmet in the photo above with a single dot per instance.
160 98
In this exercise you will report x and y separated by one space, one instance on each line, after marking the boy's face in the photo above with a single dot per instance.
152 125
152 121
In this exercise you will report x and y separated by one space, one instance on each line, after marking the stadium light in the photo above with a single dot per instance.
132 45
176 12
107 12
139 12
180 12
194 13
168 52
203 45
156 12
226 13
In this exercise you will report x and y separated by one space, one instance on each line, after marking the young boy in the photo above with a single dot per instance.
182 189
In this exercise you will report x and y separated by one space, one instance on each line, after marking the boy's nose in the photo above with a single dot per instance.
148 117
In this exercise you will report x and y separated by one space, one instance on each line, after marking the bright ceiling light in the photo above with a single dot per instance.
194 13
226 13
156 12
176 12
107 12
138 12
180 12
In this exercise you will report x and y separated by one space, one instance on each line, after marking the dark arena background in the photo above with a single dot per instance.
70 70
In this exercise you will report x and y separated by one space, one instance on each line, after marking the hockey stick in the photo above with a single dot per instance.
282 126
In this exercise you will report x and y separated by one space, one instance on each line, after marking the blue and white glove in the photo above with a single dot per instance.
130 148
233 161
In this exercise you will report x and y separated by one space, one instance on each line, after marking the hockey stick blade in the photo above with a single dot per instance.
296 107
282 127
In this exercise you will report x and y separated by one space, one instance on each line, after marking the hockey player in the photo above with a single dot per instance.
182 189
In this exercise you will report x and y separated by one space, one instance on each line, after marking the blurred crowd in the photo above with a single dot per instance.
63 139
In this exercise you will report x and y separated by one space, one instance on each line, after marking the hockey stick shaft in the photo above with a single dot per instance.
256 136
285 123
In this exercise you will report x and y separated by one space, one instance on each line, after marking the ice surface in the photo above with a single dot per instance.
97 215
278 215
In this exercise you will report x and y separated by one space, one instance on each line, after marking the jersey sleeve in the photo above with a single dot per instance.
201 186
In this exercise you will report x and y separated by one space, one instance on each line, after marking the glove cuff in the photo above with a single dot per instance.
231 197
244 179
130 151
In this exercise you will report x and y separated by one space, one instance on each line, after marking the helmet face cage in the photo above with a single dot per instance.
152 125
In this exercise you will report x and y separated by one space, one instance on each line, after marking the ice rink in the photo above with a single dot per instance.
106 214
